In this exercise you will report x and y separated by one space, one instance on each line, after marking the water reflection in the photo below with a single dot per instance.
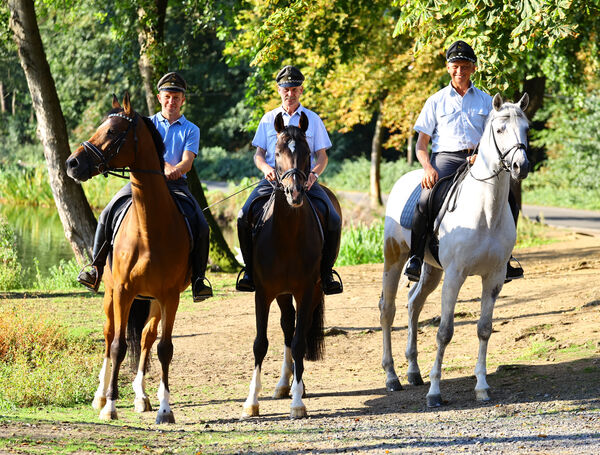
40 236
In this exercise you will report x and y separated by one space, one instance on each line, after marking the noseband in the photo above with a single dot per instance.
505 164
102 159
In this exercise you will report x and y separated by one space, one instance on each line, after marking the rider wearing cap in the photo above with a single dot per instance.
453 119
181 140
289 86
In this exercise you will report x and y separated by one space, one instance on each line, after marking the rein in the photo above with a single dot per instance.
102 159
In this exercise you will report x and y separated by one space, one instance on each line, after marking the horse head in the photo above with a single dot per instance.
107 149
292 158
508 127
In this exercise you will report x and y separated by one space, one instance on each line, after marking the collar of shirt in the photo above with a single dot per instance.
162 119
298 111
453 91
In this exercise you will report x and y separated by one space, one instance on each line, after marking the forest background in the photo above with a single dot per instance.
369 66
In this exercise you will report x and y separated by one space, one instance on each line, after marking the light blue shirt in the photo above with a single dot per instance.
452 121
179 136
266 136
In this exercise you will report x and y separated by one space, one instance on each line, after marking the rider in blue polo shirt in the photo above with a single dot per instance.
181 139
453 119
289 86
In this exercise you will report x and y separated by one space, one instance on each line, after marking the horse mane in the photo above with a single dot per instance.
509 110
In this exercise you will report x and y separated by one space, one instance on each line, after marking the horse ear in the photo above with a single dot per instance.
303 124
524 101
279 126
115 102
497 102
126 104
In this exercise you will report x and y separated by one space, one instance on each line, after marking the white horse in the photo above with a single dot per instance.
476 238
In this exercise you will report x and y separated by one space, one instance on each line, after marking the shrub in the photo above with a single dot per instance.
10 268
362 244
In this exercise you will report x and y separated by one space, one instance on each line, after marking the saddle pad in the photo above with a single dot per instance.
409 208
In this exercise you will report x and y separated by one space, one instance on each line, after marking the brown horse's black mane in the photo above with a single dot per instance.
159 145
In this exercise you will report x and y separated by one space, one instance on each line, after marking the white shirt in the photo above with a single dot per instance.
266 136
452 121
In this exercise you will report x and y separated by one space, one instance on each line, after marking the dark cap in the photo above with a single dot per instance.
172 82
289 76
460 51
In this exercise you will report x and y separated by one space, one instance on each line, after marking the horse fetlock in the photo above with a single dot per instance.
99 402
282 392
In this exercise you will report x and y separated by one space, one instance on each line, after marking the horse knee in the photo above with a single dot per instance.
445 334
118 349
484 329
261 345
165 351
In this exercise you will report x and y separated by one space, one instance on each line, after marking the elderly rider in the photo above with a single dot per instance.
290 88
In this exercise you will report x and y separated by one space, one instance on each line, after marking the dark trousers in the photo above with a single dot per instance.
445 163
104 230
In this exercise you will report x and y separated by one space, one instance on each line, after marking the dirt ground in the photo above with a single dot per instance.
543 369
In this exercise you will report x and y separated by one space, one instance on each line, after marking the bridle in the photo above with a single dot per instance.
101 160
293 172
505 164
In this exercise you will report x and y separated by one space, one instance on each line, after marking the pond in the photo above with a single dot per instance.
40 237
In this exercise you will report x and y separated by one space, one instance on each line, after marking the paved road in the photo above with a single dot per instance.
584 220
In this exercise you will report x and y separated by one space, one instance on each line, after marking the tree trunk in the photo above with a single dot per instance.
75 214
409 149
220 253
2 100
375 177
150 39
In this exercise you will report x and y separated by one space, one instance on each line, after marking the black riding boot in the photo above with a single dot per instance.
330 252
91 277
246 282
201 288
418 239
513 273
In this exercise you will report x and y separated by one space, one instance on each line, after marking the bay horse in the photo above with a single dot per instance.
150 252
286 262
476 238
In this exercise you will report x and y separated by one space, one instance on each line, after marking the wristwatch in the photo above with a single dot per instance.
315 174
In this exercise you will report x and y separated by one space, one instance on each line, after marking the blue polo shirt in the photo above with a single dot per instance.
266 136
452 121
179 136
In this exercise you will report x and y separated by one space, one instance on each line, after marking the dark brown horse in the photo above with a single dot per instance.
286 264
150 253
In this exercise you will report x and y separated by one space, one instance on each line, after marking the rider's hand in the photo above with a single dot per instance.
172 172
471 159
310 181
270 174
430 177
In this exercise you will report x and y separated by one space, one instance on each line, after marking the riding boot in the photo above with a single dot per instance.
418 239
330 252
91 275
246 282
201 288
513 273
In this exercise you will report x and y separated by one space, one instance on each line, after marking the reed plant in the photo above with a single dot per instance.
41 363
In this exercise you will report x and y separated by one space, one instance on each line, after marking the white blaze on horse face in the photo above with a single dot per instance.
292 145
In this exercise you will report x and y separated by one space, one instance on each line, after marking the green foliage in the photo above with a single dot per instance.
531 233
10 269
40 363
58 277
215 163
569 176
25 184
361 244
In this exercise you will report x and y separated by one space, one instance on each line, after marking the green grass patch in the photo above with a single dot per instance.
361 244
532 233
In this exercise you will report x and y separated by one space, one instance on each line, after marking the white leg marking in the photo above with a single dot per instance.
298 409
251 404
103 377
282 390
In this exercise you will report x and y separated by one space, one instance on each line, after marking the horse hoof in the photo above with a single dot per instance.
250 411
298 412
165 417
108 415
393 385
415 379
142 404
98 402
282 392
482 395
434 401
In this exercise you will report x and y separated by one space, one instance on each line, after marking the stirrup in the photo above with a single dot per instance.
413 275
336 290
84 278
205 291
513 273
242 286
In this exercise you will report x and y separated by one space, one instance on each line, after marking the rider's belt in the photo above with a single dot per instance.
469 151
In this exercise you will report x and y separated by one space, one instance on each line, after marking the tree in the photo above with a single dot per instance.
74 211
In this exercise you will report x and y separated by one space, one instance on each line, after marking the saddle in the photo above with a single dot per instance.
442 199
121 206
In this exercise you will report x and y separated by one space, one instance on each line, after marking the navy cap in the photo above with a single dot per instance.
172 82
289 76
460 51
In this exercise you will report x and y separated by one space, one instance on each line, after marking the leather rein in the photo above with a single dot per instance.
102 159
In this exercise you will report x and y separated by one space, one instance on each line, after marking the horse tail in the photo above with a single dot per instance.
315 338
138 314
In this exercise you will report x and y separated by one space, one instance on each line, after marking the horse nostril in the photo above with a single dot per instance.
72 163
